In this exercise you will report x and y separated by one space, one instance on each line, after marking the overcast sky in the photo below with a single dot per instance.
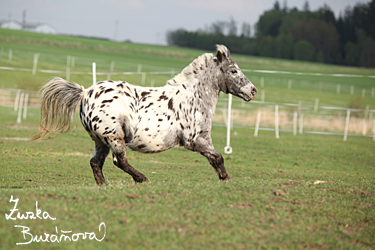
145 21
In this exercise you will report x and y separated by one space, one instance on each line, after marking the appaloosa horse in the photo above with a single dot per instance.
149 120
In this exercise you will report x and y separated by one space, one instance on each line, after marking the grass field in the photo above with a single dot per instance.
273 203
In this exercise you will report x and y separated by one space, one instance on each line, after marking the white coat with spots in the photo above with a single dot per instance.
117 114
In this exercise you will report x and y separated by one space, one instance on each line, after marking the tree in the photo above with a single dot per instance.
303 50
232 27
246 30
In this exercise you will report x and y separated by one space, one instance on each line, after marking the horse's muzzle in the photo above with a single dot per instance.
248 92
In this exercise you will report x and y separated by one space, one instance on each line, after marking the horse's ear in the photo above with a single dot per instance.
222 53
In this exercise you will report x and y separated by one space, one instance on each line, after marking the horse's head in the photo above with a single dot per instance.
234 81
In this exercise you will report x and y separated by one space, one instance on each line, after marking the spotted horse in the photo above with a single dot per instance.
118 115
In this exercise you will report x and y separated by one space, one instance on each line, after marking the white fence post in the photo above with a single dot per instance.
10 55
93 72
300 124
316 105
351 90
16 102
20 108
139 69
277 121
111 69
228 148
143 80
25 105
295 123
257 123
290 84
346 124
262 95
373 131
364 123
35 63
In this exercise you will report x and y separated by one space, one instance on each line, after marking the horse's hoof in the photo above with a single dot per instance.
228 179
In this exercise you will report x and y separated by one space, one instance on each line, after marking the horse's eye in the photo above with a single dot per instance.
234 71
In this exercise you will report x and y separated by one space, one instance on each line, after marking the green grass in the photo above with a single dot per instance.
186 206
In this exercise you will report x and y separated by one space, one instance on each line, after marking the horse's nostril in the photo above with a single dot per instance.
254 90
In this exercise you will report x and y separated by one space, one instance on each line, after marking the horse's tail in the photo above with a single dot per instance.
60 99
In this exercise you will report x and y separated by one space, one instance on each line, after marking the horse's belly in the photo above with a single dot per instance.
152 141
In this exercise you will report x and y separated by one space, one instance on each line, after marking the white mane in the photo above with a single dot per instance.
199 63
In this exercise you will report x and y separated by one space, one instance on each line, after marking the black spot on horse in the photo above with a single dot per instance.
108 90
144 93
170 104
160 120
182 127
120 85
151 103
163 97
98 94
107 101
142 146
95 119
90 92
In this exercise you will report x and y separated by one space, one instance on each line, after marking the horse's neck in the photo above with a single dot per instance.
200 79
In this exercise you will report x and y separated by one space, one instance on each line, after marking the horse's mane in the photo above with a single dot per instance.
199 63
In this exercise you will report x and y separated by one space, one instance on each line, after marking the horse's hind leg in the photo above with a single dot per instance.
121 161
97 161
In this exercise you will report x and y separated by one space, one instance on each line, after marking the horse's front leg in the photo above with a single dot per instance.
205 148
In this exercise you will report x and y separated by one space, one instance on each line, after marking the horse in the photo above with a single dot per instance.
118 115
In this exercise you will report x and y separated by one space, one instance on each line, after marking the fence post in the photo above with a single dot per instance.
316 105
277 121
338 89
16 102
10 56
295 123
373 130
262 95
364 125
143 79
93 72
363 92
262 82
351 90
372 92
35 63
228 148
300 124
346 124
257 123
139 69
20 108
290 84
25 103
111 69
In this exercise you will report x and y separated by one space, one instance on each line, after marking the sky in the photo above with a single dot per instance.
145 21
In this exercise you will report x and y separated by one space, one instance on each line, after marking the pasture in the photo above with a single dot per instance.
273 203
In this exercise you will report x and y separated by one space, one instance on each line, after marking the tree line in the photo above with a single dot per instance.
287 33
